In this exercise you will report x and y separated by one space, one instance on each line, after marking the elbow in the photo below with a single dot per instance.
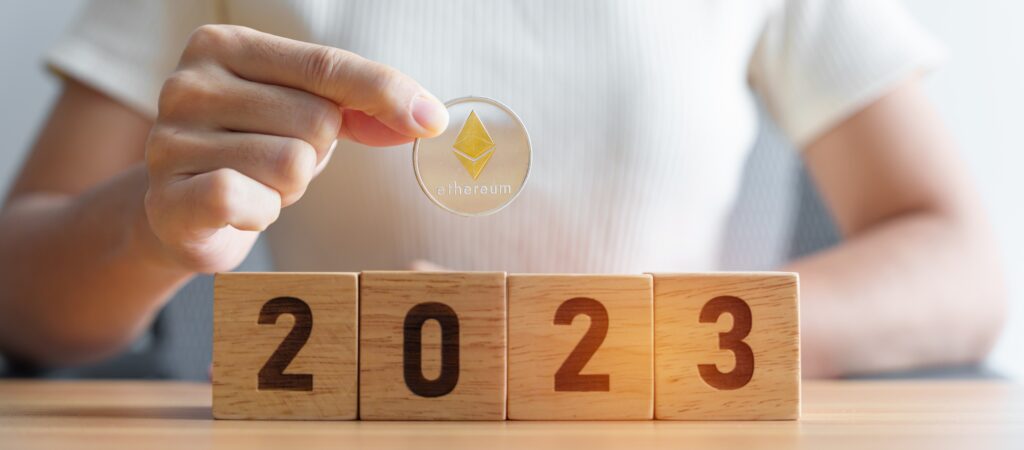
985 305
993 307
83 348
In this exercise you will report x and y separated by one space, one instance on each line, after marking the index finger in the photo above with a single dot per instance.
351 81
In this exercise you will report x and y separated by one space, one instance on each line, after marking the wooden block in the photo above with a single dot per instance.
285 346
580 347
727 346
433 346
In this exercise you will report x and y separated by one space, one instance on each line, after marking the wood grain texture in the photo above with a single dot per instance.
903 415
389 302
703 364
242 346
580 347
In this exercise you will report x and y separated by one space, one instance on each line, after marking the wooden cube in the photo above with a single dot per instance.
433 346
285 346
727 346
580 347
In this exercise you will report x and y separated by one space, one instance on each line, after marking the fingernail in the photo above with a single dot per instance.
327 157
429 114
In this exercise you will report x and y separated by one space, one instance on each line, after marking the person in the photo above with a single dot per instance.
187 128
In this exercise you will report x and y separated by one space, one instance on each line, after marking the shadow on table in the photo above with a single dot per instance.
124 412
937 373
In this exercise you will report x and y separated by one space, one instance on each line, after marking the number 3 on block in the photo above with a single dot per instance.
732 340
713 335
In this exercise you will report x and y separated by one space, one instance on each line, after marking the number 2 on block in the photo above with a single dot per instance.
272 376
568 376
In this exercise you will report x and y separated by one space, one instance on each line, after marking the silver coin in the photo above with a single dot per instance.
480 163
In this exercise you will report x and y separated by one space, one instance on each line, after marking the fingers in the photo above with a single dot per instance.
215 101
327 158
192 208
286 165
248 119
365 129
422 265
349 80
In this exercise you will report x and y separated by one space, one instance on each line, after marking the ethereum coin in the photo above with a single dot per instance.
478 165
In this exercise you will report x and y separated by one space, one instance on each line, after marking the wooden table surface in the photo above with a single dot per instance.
837 414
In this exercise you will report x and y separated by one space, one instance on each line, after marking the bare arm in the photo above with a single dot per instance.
82 273
112 213
916 281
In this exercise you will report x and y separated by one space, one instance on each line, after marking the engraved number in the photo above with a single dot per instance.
272 375
568 377
412 358
731 340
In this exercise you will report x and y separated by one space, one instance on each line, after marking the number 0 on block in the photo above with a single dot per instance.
433 346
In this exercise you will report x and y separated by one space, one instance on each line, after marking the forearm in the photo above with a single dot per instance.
916 290
82 274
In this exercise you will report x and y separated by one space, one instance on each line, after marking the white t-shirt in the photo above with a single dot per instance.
641 114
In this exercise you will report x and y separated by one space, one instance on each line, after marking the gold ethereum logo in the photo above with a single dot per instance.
473 146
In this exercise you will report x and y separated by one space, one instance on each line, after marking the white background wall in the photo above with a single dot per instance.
27 29
980 92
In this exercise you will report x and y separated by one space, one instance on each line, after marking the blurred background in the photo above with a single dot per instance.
980 91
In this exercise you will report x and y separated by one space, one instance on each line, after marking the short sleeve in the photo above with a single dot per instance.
126 48
820 61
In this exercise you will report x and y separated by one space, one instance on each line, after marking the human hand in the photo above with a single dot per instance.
247 120
422 265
